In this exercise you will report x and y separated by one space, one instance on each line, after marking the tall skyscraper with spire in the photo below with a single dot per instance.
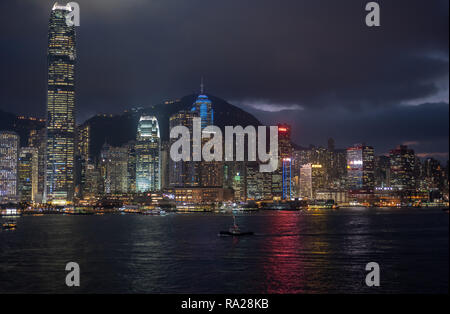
209 173
148 152
60 108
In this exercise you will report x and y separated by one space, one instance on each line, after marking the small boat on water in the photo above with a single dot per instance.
11 213
235 231
9 226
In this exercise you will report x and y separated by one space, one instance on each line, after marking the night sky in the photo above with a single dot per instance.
311 63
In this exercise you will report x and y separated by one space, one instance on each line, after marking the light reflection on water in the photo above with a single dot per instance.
291 252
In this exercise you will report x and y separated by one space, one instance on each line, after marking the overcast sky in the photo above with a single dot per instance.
312 63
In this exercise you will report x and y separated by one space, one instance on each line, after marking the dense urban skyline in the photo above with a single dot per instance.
287 71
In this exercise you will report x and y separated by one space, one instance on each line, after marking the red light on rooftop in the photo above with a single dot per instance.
282 129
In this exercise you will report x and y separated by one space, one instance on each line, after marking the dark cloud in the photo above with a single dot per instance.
311 55
423 127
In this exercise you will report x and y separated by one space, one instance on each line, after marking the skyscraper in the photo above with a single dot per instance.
148 151
360 169
312 179
9 150
60 108
114 166
38 140
184 173
282 177
211 172
28 174
402 168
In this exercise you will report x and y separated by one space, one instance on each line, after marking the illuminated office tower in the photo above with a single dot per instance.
165 162
203 107
148 151
258 184
211 173
234 177
360 169
38 140
305 183
60 108
282 177
83 142
184 173
312 179
114 167
287 178
131 165
9 152
402 168
28 174
284 141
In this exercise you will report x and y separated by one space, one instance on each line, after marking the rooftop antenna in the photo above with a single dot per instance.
202 86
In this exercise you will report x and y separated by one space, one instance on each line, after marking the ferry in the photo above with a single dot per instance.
11 213
322 204
129 209
9 226
154 212
235 231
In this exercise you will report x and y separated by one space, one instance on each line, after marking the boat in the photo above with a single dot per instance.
234 231
9 226
11 213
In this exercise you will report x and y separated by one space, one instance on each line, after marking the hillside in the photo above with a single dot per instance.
118 130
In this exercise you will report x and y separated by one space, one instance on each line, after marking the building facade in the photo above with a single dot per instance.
148 152
360 169
9 154
28 174
60 108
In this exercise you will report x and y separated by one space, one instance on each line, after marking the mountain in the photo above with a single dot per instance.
118 130
19 124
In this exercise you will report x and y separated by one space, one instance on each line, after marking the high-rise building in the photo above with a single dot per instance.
94 184
203 107
288 192
258 184
312 179
9 154
38 140
131 146
148 152
382 171
114 167
211 172
60 108
184 173
234 177
402 168
28 174
82 157
360 169
165 162
282 177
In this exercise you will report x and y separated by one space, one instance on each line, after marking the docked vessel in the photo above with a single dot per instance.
9 226
11 213
235 231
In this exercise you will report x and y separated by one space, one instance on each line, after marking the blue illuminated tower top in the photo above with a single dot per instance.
203 107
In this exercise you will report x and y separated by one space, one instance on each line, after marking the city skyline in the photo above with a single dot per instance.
309 153
73 173
381 109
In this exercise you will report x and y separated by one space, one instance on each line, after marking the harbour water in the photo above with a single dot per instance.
291 252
